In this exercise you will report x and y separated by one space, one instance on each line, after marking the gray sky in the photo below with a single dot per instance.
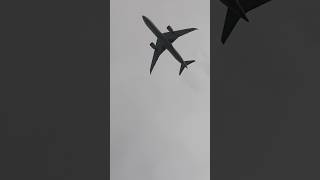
159 123
266 118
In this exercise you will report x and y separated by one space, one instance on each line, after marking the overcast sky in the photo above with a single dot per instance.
266 117
159 123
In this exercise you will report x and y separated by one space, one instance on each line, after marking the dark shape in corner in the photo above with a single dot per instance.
165 41
237 9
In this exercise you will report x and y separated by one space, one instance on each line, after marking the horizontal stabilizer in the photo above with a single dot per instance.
183 66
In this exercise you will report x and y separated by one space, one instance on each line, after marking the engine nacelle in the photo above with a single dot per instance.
170 29
153 45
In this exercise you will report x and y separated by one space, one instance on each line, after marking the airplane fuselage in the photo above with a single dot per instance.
236 7
164 40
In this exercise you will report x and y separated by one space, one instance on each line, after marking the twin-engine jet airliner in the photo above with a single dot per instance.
164 42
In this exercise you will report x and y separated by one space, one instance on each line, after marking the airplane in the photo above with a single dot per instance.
164 42
237 9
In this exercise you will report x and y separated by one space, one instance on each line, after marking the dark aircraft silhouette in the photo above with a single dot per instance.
165 41
237 9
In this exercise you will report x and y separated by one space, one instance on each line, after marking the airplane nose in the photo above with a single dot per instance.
145 19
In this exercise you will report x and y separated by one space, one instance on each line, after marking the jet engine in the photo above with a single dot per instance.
170 29
153 45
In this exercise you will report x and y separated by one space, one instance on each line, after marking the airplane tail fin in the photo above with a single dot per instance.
183 65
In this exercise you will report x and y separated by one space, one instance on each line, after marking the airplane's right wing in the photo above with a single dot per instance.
157 52
248 5
172 36
229 24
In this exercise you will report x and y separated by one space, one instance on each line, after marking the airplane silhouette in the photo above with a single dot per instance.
237 9
165 41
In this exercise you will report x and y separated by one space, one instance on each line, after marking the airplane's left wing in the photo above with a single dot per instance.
172 36
157 52
229 24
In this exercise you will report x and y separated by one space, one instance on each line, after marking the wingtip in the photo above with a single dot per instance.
245 18
223 41
194 29
223 38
